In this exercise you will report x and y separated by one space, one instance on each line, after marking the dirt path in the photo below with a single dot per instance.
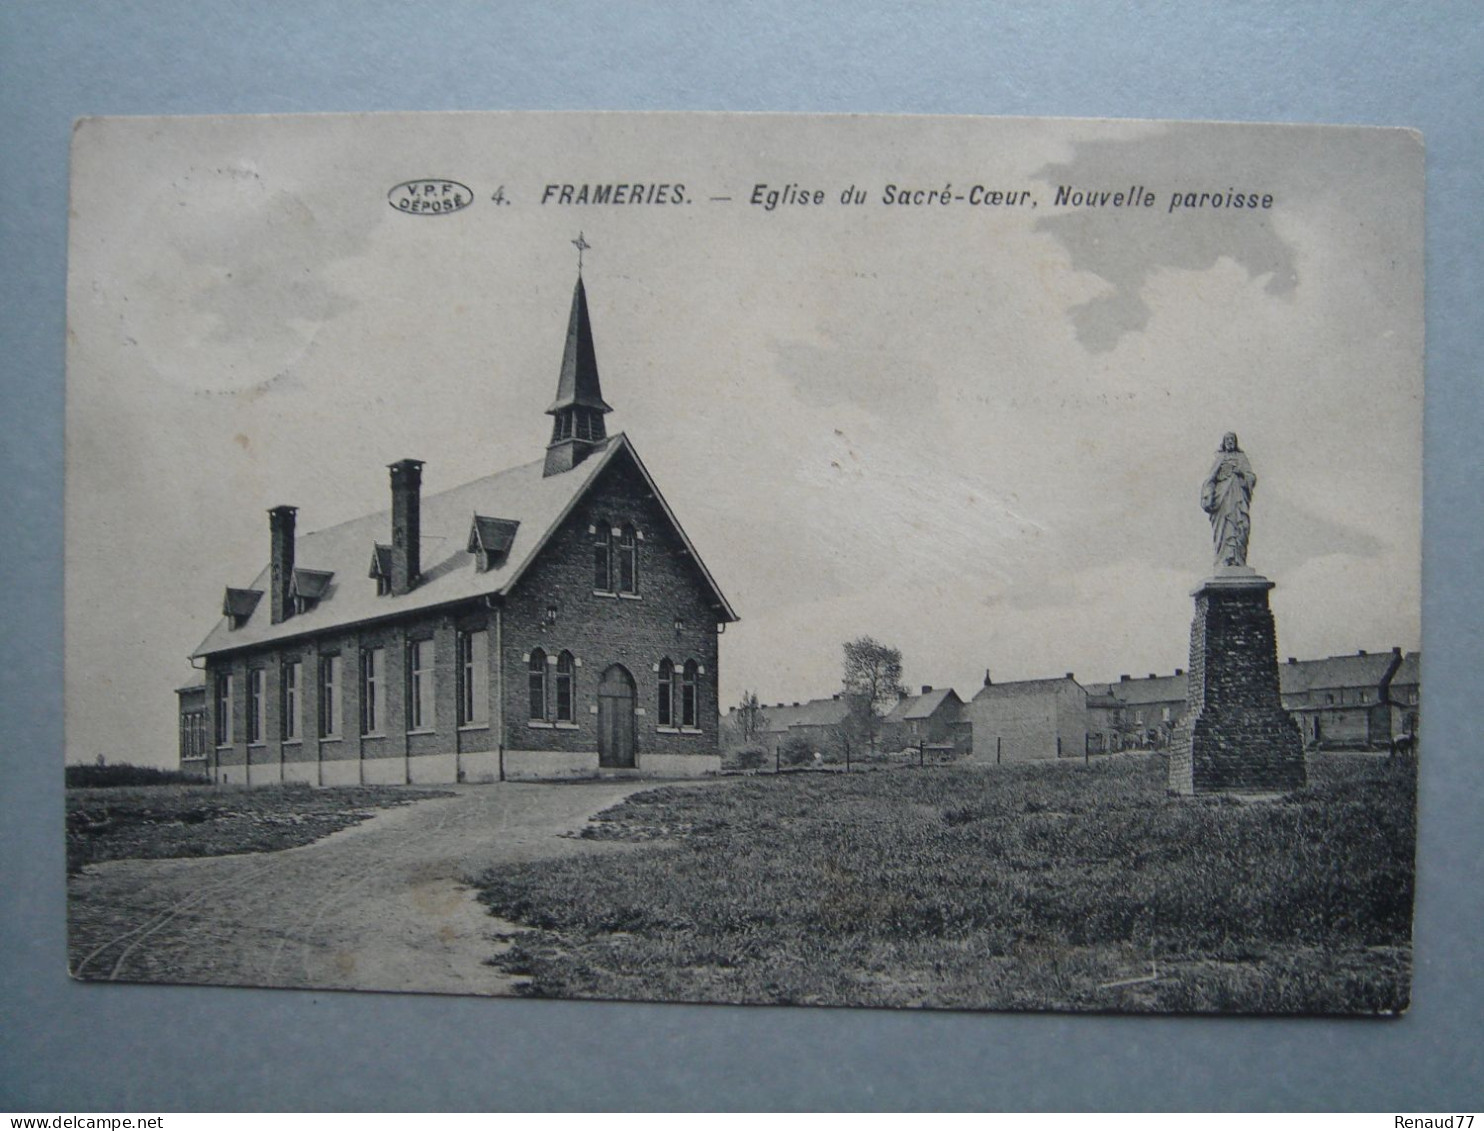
383 905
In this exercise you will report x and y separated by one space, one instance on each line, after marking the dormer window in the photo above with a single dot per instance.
308 587
238 605
490 540
381 568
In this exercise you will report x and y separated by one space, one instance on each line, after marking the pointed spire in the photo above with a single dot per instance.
578 383
579 406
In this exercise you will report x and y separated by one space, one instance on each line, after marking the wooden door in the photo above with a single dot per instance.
616 718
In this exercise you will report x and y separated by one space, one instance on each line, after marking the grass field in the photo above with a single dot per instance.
1045 886
161 821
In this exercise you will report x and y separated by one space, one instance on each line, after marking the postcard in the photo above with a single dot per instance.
927 562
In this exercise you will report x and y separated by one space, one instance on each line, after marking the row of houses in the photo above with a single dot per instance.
1361 701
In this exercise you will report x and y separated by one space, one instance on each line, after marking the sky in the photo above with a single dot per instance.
974 433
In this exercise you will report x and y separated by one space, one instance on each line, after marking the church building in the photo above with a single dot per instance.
551 620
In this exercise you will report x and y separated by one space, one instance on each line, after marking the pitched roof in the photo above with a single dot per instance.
816 712
1154 689
578 382
538 503
1025 687
198 683
1410 671
1359 670
929 701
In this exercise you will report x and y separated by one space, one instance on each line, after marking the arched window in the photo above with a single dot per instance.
603 557
564 688
538 684
667 693
689 695
628 560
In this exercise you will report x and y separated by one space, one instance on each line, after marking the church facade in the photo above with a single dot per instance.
551 620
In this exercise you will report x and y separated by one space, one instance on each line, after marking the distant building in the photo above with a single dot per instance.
194 728
1347 702
1028 719
550 620
934 718
1406 693
1135 714
817 721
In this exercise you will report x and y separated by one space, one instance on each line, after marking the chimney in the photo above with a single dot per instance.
1396 651
281 559
1124 678
1292 660
926 687
1179 671
1071 676
987 680
1153 676
1360 651
407 482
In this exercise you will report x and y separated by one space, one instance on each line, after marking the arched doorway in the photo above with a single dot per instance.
616 718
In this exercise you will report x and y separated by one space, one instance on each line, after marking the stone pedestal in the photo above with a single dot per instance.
1235 736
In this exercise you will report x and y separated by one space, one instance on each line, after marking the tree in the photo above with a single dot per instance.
751 722
873 682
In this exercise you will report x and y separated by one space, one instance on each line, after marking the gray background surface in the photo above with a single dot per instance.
73 1047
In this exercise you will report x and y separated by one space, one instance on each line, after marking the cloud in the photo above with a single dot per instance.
1126 246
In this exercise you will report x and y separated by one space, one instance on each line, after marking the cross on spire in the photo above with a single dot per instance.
581 245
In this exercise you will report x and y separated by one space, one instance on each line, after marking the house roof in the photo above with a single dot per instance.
578 382
521 494
1410 671
924 705
196 684
1025 687
242 602
1155 689
816 712
1359 670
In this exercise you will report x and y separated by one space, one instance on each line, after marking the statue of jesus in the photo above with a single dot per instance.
1226 497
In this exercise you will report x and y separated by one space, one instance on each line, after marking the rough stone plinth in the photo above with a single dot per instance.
1235 736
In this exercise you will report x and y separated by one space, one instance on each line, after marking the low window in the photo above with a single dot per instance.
289 699
224 709
420 685
473 677
564 672
329 696
537 682
689 695
373 682
666 706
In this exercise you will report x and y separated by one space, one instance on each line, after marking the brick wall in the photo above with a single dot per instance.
636 632
1235 736
603 630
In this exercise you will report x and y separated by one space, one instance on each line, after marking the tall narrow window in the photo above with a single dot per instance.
628 561
564 668
288 700
666 711
255 705
603 558
689 695
474 695
329 696
537 669
420 685
373 690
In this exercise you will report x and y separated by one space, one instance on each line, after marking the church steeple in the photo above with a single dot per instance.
579 406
